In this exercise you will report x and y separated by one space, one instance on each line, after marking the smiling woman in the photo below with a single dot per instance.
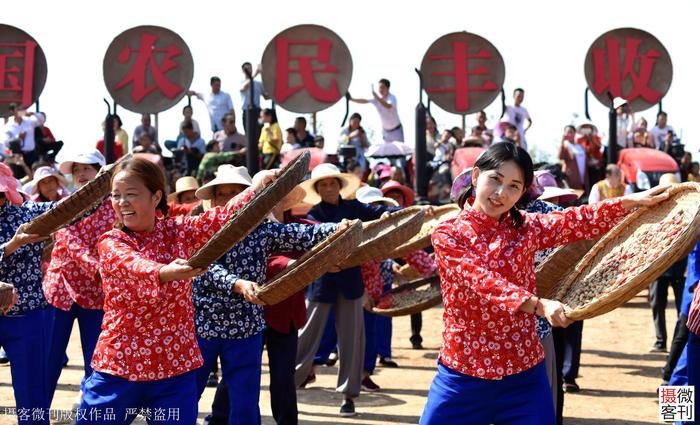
143 268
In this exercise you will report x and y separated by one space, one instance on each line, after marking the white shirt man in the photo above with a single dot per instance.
218 103
26 125
386 105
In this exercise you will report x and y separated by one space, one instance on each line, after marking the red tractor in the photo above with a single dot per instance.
642 167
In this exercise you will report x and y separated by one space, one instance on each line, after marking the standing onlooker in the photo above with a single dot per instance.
258 90
187 117
290 141
486 133
355 135
658 133
593 146
120 135
218 103
625 120
146 128
270 141
385 103
432 136
573 157
228 137
20 127
517 115
304 138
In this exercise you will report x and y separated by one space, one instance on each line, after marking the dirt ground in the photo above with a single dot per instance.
618 376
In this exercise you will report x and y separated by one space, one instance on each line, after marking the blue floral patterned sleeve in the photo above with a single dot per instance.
221 313
542 207
23 267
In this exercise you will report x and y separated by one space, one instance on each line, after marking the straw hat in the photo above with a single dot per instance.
225 174
668 179
87 158
546 181
408 194
42 173
369 195
183 184
348 182
292 198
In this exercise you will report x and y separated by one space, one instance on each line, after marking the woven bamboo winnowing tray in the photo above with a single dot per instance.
76 204
684 200
247 218
411 298
557 266
312 265
422 238
6 293
383 235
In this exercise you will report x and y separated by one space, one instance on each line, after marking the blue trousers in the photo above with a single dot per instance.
24 340
90 323
384 331
370 341
281 352
241 367
679 377
111 400
691 359
573 334
521 399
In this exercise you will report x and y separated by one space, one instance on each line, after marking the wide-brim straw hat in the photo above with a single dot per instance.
87 158
618 101
370 195
43 173
225 174
183 184
564 195
348 182
293 198
408 194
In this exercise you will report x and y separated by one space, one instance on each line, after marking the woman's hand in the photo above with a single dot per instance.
178 270
344 224
264 178
554 312
367 302
647 198
22 238
248 289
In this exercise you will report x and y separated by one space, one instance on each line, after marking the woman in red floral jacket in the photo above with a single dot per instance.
491 369
147 351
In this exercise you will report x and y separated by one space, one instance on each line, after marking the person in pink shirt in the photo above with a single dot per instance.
490 368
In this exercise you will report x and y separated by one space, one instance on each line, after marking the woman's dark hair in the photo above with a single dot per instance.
150 174
493 158
270 113
359 118
385 82
118 120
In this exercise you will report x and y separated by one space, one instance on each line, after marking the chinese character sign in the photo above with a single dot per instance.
631 64
306 68
462 72
148 69
22 69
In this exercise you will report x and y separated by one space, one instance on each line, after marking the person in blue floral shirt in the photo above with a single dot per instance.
22 327
229 317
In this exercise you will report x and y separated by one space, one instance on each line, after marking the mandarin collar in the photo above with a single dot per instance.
481 218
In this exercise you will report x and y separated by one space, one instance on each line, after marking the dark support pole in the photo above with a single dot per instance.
421 152
251 130
503 103
585 104
612 133
661 108
109 135
36 104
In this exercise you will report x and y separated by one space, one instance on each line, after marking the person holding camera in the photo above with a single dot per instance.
354 135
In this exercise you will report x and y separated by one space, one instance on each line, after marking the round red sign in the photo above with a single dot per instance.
462 72
23 71
148 69
306 68
628 63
